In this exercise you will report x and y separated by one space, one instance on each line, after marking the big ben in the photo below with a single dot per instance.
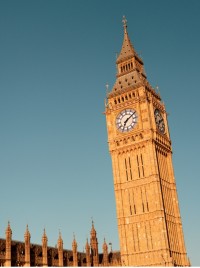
148 215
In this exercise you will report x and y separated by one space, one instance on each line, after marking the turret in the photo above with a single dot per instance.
105 253
87 251
94 246
27 238
44 249
74 250
60 250
8 245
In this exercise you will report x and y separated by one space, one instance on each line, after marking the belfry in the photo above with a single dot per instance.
149 221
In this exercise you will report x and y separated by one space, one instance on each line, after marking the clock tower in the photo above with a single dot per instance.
149 221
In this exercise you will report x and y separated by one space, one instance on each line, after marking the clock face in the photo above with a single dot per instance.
159 121
126 120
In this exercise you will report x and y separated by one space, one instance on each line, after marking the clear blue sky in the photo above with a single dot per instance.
55 59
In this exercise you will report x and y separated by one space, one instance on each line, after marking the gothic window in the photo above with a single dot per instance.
142 165
130 168
126 169
138 166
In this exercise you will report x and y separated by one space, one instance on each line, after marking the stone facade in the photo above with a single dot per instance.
149 221
16 253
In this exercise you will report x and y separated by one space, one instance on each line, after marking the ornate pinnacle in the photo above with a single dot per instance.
8 229
124 23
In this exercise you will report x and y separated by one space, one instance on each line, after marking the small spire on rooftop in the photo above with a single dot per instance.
124 23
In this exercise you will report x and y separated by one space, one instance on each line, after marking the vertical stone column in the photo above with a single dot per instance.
27 238
87 250
8 245
44 249
105 253
60 251
74 250
94 246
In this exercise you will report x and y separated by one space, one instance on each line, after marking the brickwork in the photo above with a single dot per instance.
149 222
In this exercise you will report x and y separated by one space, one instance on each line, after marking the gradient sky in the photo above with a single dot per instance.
55 59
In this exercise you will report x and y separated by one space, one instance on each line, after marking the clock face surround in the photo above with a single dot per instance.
126 120
159 121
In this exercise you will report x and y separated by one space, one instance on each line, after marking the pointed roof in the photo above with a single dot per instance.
27 233
44 237
60 237
93 231
60 241
87 246
74 243
105 246
8 229
127 50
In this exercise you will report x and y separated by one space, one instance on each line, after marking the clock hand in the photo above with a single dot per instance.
127 119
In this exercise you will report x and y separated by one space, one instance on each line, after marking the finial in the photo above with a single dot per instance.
8 229
44 232
27 231
59 233
124 23
107 87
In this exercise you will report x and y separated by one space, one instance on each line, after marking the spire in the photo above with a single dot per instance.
44 249
130 69
74 249
87 246
8 245
60 241
87 252
44 238
74 243
60 250
127 50
27 233
105 247
105 253
27 237
93 231
94 246
8 229
60 236
44 234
